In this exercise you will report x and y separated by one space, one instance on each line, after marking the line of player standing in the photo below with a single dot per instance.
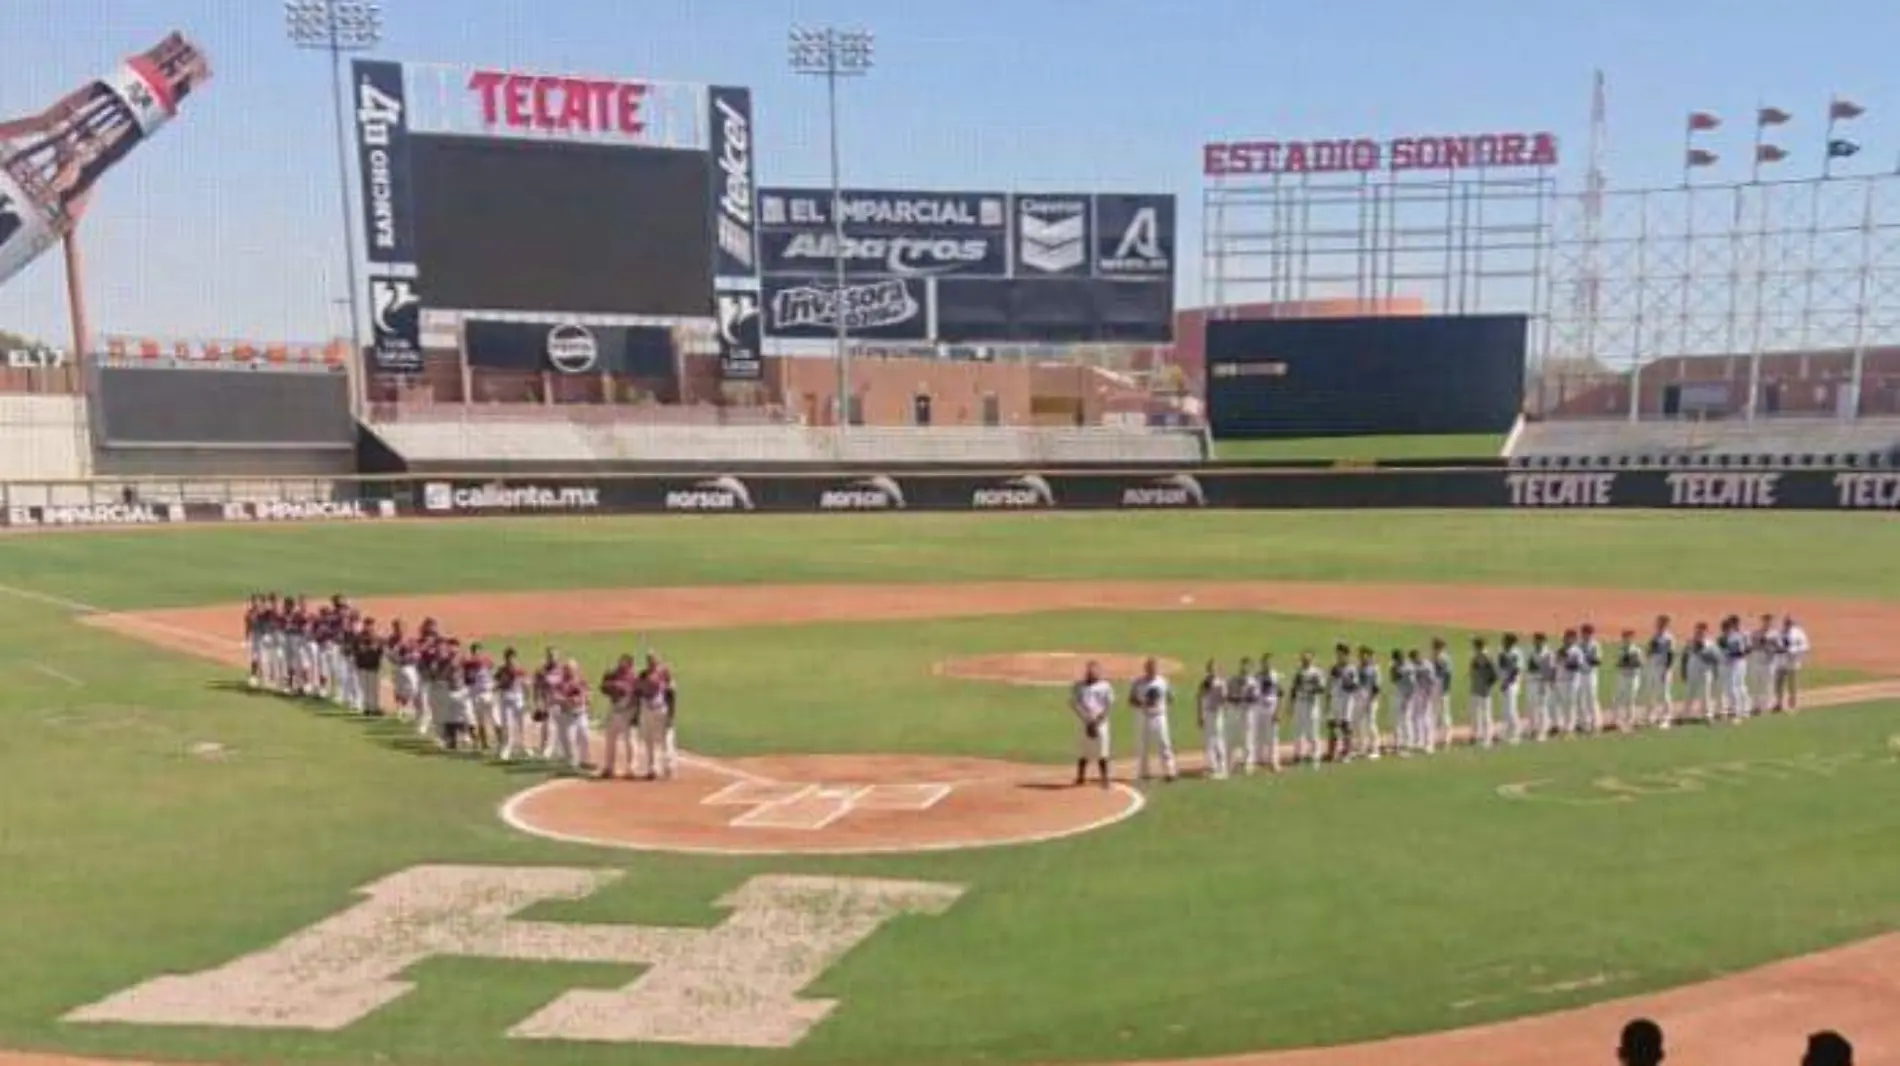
1515 692
457 693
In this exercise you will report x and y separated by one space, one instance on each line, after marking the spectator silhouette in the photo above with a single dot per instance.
1828 1048
1642 1044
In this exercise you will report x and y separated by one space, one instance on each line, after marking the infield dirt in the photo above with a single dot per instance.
1755 1018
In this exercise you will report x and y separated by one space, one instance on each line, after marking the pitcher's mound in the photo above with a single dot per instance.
1047 668
823 805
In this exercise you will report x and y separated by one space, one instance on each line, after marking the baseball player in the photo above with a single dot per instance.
1484 680
1210 704
656 706
403 659
294 621
1342 692
511 690
324 631
1309 686
478 676
1590 710
1629 681
570 716
1089 700
1365 725
1511 667
1543 686
1700 661
1733 676
1424 712
253 638
616 685
547 683
1150 695
1658 669
452 669
271 624
1794 655
366 651
1441 681
1403 693
1256 695
1764 650
1575 664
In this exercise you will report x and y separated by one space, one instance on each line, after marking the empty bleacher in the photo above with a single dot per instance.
1765 442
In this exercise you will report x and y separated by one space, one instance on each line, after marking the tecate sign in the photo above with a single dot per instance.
1868 492
1018 493
1723 490
1491 151
878 493
1175 490
557 104
441 496
104 514
1561 490
715 495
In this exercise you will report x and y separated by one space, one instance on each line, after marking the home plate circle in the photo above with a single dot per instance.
823 805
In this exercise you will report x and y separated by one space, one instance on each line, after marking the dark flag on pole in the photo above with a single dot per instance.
1842 148
1700 157
1772 116
1703 120
1770 153
1841 110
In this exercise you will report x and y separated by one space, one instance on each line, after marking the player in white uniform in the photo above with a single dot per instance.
1576 670
1658 668
511 687
1442 676
1365 722
1794 655
657 707
1308 687
1090 700
1511 666
1342 692
1764 649
1484 679
1700 659
1424 710
1150 695
1629 682
1734 670
1259 695
1590 711
1210 706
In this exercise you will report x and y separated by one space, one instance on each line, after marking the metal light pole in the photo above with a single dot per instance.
336 27
831 54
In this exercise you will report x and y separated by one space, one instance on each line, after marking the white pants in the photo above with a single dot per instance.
514 723
1402 738
1424 715
408 684
1365 722
570 737
432 706
1305 727
1570 701
1513 724
1091 747
659 754
274 673
1481 728
326 669
1214 740
1658 702
487 713
1259 735
619 738
1629 688
1590 711
1761 683
1443 714
1735 694
1700 694
1151 738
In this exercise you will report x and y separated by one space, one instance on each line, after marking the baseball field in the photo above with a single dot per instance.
873 855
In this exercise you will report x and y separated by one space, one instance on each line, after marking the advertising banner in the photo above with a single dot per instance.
1052 235
395 319
886 233
735 230
889 309
569 348
1134 236
382 158
741 336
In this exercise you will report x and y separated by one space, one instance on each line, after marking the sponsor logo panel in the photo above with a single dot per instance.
1561 490
97 514
891 309
1052 236
741 335
382 148
1134 236
308 510
735 233
875 493
1026 492
395 310
443 497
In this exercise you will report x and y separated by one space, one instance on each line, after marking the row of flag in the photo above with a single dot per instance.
1839 110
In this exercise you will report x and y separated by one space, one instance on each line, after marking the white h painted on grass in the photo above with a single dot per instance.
733 985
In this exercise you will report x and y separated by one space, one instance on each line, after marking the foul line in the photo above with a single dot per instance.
57 675
60 602
130 621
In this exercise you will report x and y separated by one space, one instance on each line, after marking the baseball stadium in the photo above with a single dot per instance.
513 556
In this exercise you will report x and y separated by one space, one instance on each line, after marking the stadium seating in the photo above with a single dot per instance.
46 437
1767 442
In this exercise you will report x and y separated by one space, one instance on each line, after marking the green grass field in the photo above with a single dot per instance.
1304 909
1428 446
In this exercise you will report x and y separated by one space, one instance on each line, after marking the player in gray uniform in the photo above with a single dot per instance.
1342 694
1700 663
1576 670
1210 705
1629 681
1442 675
1733 674
1266 718
1404 691
1424 707
1764 650
1590 711
1365 724
1244 699
1484 679
1511 666
1658 668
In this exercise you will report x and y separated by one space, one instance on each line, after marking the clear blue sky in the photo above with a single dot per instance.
226 225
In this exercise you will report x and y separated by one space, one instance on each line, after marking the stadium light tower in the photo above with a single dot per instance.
831 54
336 27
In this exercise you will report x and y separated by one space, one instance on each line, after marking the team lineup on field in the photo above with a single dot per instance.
1513 694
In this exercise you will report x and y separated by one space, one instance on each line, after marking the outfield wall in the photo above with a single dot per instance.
167 502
